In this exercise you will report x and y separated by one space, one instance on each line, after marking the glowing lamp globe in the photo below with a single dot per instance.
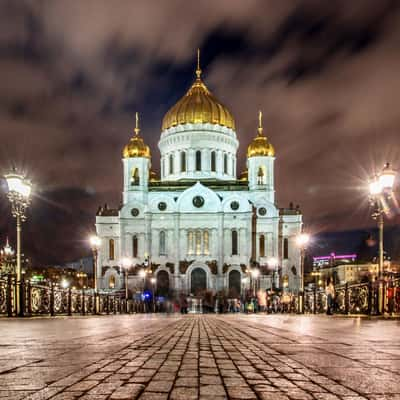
387 177
95 241
18 184
302 239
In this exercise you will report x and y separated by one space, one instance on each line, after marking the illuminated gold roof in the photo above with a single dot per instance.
136 146
198 106
260 145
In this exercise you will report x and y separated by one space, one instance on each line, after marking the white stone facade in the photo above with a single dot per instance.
199 225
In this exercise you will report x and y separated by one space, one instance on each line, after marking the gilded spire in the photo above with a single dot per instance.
137 129
260 146
260 126
198 69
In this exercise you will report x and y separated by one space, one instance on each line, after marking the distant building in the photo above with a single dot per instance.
333 259
84 264
347 273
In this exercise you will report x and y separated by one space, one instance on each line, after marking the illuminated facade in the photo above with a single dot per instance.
197 225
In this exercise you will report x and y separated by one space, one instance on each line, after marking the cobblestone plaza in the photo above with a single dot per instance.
200 357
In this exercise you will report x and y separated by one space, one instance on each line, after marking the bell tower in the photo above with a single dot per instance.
260 163
136 163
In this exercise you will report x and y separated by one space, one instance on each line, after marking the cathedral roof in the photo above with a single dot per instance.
198 106
136 146
260 146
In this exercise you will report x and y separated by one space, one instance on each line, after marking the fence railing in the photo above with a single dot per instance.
370 298
41 299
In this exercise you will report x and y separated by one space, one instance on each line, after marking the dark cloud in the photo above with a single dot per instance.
324 73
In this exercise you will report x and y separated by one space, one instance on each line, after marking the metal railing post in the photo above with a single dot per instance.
69 306
9 295
83 301
346 299
29 297
52 299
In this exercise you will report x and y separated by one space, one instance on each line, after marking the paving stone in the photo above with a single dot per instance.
128 391
229 356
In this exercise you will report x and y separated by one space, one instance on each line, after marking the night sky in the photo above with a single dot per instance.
72 74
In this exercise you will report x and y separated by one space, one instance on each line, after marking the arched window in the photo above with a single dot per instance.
262 246
261 178
234 243
190 242
213 161
183 161
206 243
198 160
171 164
111 249
162 244
111 282
286 248
134 246
198 243
225 163
135 180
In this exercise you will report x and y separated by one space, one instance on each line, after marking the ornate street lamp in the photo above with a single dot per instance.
95 244
153 284
126 263
381 190
255 273
273 263
19 191
302 241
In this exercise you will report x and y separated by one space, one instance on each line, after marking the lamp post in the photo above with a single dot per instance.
255 273
95 243
381 190
19 191
273 263
153 284
302 241
142 274
126 263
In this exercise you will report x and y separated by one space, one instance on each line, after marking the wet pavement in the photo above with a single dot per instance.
200 357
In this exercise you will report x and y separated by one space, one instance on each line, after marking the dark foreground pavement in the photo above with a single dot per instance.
207 357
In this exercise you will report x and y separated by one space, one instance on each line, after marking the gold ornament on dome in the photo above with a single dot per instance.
244 176
260 146
198 106
153 176
136 146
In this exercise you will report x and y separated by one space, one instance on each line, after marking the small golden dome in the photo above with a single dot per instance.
153 176
198 106
260 146
244 176
136 146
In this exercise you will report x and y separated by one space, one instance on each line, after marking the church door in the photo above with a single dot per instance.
234 283
198 281
162 284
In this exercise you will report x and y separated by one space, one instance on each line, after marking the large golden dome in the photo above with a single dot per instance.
136 146
260 146
198 106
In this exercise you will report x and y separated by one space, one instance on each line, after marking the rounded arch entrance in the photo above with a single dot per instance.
162 283
234 283
198 281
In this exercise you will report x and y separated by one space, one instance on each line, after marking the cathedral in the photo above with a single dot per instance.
198 226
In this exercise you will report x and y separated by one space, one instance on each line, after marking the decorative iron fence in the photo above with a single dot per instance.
53 300
362 298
